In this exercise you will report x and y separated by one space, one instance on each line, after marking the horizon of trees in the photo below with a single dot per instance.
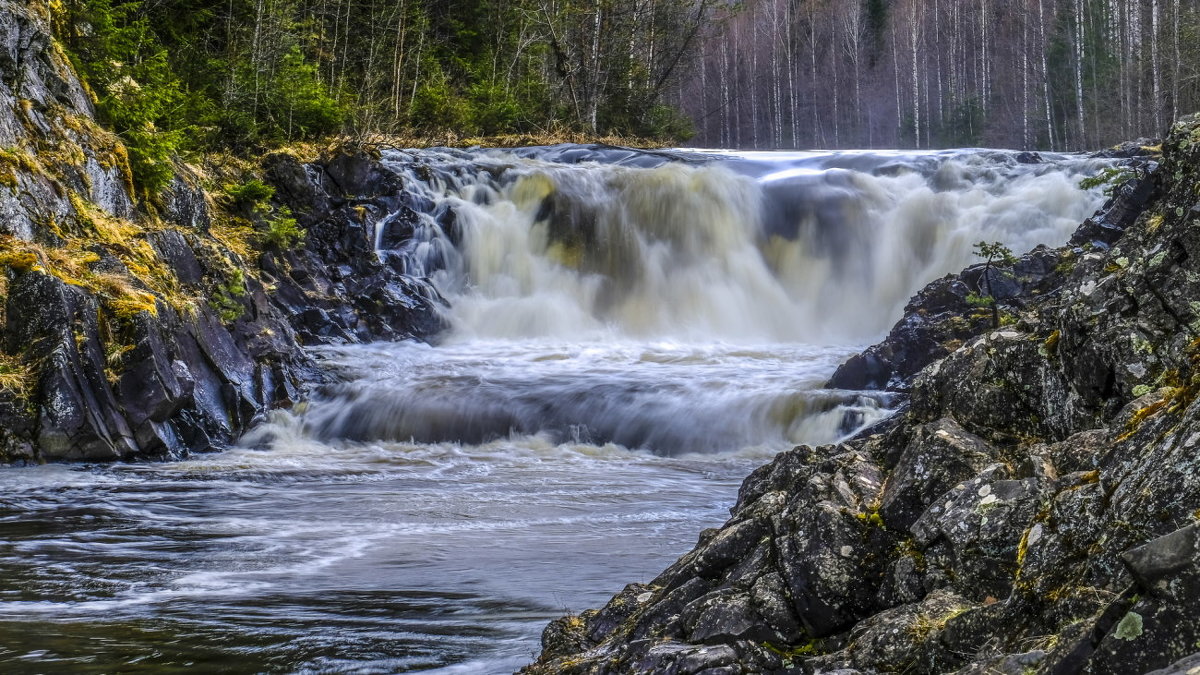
179 75
1027 74
173 76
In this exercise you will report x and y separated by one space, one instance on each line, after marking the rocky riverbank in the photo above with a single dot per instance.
1032 507
152 325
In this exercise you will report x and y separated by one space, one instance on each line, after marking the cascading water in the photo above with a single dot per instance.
631 333
675 307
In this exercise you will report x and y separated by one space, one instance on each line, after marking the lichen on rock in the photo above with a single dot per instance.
1031 507
138 326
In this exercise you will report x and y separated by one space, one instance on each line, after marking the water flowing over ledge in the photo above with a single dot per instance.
630 334
814 247
674 302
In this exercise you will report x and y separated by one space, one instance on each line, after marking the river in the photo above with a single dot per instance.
630 335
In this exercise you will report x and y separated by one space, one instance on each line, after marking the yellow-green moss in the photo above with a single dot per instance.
925 625
1051 343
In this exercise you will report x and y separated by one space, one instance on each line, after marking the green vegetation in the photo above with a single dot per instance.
229 296
1111 178
993 253
251 196
282 230
16 377
251 201
194 75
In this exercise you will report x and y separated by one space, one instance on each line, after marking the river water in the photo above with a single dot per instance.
629 338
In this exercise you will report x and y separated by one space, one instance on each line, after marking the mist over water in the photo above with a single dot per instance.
631 333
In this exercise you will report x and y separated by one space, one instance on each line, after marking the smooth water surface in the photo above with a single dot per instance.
306 552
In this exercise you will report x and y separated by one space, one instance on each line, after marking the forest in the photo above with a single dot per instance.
1050 74
174 76
177 75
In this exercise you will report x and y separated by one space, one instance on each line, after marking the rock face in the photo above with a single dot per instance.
1032 507
151 326
336 286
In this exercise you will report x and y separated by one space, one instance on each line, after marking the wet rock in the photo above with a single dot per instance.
337 287
972 541
1189 665
940 456
892 640
935 322
1156 563
177 253
1031 508
116 375
185 204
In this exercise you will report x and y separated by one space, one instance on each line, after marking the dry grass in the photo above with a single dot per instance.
236 234
449 139
16 376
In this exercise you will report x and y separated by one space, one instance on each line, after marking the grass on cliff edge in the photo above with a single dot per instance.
312 150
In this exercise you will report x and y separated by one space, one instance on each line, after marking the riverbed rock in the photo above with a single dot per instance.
139 326
1033 506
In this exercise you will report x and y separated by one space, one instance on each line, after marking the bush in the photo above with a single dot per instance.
437 106
1111 178
302 106
252 196
152 156
493 110
664 122
118 53
229 296
282 230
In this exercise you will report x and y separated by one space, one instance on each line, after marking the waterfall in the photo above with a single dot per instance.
677 302
632 334
768 247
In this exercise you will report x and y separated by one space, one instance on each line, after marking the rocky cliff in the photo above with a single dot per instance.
1032 507
151 325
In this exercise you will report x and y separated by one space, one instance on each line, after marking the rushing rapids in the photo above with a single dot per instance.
630 333
656 301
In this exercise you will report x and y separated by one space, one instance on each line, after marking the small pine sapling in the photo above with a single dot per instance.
993 253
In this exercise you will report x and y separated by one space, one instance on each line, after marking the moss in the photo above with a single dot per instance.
1141 416
129 306
114 359
1022 550
1066 263
16 376
127 241
952 345
13 158
1051 343
236 234
19 259
8 178
924 625
800 650
871 518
